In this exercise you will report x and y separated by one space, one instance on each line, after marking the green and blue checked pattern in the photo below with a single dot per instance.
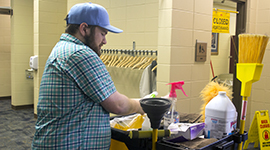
73 84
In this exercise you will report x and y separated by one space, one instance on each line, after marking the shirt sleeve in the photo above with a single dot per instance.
91 75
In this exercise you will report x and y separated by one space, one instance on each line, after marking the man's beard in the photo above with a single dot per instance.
90 42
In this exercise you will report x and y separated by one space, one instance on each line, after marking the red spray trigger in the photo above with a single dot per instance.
176 85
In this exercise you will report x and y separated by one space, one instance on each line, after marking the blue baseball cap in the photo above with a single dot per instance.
92 14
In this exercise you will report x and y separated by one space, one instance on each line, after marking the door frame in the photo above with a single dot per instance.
240 28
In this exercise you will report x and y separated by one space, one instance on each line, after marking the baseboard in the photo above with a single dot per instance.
22 107
5 98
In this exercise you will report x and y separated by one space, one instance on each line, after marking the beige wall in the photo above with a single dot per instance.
258 21
181 23
21 50
5 52
171 27
138 19
49 24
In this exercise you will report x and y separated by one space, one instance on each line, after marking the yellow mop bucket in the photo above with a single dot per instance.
125 123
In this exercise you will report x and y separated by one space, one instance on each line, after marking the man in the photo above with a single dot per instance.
76 91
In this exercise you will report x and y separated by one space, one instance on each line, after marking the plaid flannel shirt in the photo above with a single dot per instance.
73 84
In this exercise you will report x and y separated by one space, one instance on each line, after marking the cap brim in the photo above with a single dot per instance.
112 29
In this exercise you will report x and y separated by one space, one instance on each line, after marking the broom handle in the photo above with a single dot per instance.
154 138
212 69
243 119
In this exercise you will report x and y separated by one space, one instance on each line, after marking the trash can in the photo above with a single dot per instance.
133 140
120 139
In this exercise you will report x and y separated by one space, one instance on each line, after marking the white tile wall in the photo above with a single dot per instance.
201 23
181 44
181 37
21 50
181 73
183 5
259 99
206 9
182 19
182 55
49 24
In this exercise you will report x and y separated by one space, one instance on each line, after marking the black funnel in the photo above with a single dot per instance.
155 109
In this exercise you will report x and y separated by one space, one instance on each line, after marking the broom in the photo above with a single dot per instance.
249 68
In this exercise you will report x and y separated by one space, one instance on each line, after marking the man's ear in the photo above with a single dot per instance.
83 29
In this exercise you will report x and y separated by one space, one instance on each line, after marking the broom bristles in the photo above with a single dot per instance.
252 48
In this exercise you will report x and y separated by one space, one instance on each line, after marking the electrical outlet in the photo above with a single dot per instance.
29 74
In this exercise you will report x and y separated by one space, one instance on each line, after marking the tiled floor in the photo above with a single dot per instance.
17 127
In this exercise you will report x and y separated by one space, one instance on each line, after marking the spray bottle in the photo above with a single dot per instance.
172 116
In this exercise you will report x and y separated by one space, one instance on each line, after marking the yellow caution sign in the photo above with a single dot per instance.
221 22
259 131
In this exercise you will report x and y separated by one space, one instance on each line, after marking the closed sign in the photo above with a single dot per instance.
221 22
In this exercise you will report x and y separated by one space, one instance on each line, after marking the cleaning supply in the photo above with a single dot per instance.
172 116
249 68
146 125
151 95
210 91
220 116
181 132
155 109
